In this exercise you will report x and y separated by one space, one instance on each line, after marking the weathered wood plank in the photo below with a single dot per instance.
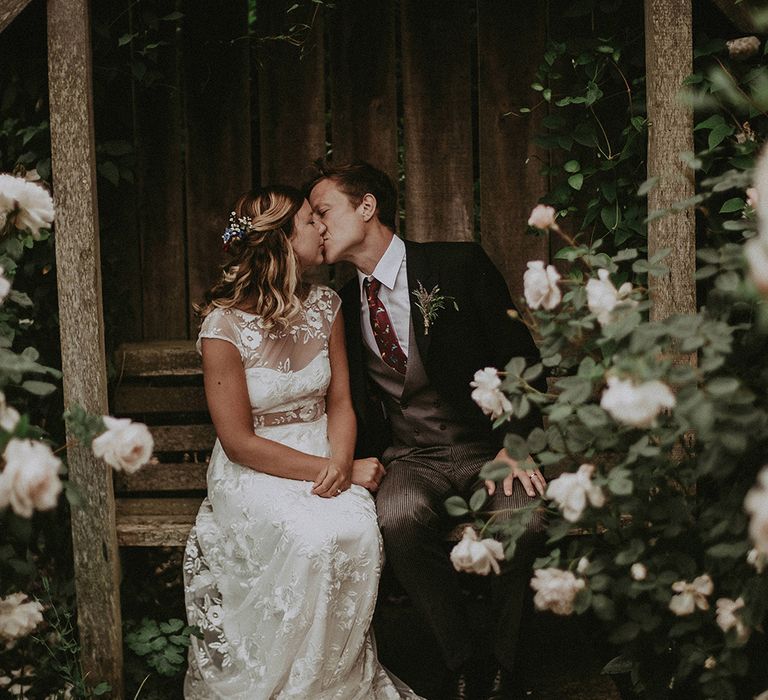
10 10
158 359
158 507
97 581
183 438
511 41
668 52
160 185
739 14
135 399
138 531
218 124
363 91
180 476
291 94
437 120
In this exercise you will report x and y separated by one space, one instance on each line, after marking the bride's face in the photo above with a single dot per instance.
306 241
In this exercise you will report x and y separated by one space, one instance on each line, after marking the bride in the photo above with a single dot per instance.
282 566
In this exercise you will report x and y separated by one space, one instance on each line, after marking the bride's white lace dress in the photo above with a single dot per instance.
282 583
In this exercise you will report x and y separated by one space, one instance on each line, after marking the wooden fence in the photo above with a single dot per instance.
389 82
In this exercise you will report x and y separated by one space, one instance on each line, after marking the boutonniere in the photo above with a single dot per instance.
429 303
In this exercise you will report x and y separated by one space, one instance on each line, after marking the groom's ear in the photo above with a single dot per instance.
368 206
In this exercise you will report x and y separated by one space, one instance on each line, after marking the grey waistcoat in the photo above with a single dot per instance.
417 414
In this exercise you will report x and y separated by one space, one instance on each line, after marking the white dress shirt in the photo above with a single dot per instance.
391 272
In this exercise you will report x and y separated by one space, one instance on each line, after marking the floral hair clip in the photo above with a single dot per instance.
237 229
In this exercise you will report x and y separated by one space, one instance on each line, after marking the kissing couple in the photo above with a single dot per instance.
321 400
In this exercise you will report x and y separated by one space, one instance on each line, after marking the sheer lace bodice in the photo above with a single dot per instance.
282 583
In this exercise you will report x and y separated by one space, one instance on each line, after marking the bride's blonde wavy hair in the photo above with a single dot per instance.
262 273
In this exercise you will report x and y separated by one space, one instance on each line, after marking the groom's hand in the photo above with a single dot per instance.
533 481
368 472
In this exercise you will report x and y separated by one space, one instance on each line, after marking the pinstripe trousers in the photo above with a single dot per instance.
413 521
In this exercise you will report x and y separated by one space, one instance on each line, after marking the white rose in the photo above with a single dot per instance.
5 284
744 47
33 204
487 394
540 285
728 619
582 566
757 560
542 217
710 662
571 492
756 253
603 299
477 556
636 404
756 506
638 572
17 618
30 479
125 445
691 595
762 696
9 416
555 590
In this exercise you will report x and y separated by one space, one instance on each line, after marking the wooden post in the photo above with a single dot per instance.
82 334
668 57
511 41
9 10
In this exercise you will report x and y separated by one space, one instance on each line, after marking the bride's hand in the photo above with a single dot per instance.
367 472
332 480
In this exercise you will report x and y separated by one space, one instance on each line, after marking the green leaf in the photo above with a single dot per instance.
110 171
576 181
173 625
722 386
711 123
537 440
572 166
647 186
516 446
718 135
38 388
478 499
456 506
495 470
733 204
617 665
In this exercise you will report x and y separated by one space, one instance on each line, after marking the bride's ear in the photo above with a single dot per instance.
367 207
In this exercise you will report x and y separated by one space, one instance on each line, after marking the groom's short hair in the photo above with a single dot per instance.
356 179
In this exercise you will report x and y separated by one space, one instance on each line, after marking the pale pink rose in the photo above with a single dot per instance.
638 572
744 47
582 566
30 480
605 301
636 404
710 662
32 204
487 393
555 590
477 556
542 217
5 285
572 492
728 617
9 416
756 506
757 560
756 253
124 445
691 595
540 286
17 617
762 696
752 197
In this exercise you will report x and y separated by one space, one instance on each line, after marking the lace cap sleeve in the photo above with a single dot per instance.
219 324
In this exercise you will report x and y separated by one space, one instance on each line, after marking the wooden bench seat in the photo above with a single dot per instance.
161 384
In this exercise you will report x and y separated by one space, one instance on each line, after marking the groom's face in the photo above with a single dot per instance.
341 223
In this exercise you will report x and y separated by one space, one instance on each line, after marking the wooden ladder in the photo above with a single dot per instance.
161 384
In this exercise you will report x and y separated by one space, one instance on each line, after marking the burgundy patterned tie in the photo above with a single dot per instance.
390 349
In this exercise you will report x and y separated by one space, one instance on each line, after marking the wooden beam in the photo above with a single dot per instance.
668 55
82 334
9 10
739 14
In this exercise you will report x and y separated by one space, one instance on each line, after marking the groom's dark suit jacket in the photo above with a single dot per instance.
479 334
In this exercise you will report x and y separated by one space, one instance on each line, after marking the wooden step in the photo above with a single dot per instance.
132 399
165 476
183 438
155 522
158 358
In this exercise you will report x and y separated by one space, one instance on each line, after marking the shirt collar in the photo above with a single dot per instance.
389 265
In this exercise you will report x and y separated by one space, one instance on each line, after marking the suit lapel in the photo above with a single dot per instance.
419 272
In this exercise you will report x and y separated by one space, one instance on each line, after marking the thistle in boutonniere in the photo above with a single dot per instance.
429 303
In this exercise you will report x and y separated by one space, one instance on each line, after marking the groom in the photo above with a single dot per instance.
410 383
